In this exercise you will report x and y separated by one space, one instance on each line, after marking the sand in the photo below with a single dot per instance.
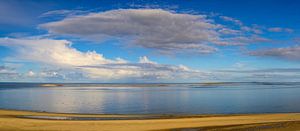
14 120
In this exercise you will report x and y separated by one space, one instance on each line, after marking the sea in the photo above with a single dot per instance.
153 98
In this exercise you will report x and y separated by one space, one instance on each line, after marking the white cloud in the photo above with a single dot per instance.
30 73
60 53
56 52
145 59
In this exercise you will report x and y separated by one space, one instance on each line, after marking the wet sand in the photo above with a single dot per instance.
33 121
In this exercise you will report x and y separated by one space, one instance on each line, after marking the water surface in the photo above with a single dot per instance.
216 98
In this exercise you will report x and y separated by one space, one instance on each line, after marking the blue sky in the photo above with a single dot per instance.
149 41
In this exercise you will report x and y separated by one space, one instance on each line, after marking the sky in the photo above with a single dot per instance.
149 41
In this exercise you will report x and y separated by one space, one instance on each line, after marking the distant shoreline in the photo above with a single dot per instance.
201 84
51 85
19 120
155 83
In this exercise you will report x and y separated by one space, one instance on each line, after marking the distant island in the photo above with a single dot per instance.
51 85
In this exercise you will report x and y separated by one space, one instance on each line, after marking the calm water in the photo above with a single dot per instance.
153 98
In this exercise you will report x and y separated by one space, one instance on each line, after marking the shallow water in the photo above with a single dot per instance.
224 98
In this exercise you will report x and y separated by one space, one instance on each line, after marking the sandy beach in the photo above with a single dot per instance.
33 121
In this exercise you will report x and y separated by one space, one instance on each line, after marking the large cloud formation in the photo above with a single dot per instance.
150 28
164 31
59 53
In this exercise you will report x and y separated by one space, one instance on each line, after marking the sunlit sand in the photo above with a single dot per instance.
19 120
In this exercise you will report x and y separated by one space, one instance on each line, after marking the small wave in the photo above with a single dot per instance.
89 118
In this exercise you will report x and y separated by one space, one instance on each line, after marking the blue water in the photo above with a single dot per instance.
226 98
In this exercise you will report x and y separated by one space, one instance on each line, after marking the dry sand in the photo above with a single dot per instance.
14 120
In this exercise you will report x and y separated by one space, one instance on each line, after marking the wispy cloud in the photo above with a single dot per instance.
268 74
289 53
280 29
63 13
230 19
272 70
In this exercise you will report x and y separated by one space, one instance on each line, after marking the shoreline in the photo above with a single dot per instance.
171 114
17 120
